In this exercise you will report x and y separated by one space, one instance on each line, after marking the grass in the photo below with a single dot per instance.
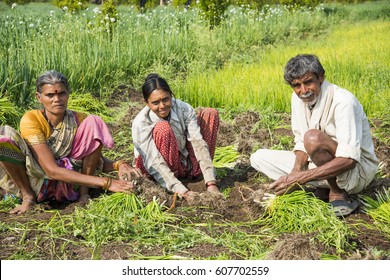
355 57
238 64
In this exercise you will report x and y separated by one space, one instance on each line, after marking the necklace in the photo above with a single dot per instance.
48 121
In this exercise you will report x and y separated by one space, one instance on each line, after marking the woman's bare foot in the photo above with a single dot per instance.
26 205
84 199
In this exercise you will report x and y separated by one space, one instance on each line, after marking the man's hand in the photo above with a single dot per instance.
285 184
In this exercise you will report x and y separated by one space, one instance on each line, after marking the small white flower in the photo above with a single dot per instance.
65 8
79 3
31 25
97 10
14 5
51 13
112 19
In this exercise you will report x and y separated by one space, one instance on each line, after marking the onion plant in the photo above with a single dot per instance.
303 213
379 209
224 159
8 203
238 64
88 104
225 156
9 114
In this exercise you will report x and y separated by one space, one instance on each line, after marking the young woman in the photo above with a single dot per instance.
171 142
57 151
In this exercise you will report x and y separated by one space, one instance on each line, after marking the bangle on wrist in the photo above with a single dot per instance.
118 163
211 183
107 183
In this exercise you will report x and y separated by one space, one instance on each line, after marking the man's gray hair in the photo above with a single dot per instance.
51 77
301 64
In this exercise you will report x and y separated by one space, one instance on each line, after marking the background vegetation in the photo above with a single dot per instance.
231 58
236 64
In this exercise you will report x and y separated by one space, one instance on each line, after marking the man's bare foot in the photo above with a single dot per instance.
333 196
322 193
26 205
335 193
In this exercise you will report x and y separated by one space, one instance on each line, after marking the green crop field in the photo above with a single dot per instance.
238 64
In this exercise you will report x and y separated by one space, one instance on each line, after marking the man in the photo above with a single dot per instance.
333 145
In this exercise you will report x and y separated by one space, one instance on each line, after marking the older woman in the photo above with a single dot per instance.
57 151
171 142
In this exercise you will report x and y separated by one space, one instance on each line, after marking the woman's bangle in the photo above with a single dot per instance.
107 183
212 183
118 163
